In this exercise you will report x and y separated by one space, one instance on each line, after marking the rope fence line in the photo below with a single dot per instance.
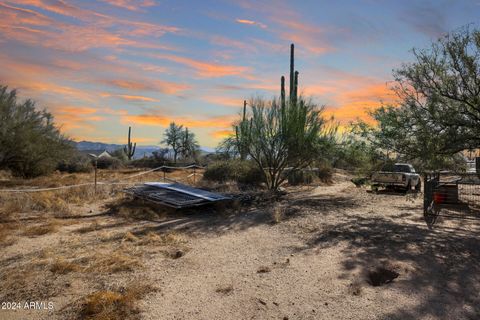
114 182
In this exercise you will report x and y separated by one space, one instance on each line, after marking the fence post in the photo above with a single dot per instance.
96 175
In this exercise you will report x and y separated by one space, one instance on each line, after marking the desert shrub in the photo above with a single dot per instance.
249 173
219 172
325 174
120 155
157 159
109 163
296 177
149 162
30 143
244 172
78 163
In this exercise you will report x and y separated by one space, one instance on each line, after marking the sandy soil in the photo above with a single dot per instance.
238 263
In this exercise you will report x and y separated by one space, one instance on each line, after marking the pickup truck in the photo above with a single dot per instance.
401 176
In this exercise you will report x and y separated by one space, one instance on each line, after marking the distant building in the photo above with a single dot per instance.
104 154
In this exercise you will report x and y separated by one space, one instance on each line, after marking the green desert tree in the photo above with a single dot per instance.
30 142
189 145
438 109
173 137
280 134
440 91
182 141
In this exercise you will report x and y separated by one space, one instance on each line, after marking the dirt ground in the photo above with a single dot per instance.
312 254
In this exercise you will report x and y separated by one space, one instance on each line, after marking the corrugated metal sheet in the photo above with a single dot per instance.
207 195
174 194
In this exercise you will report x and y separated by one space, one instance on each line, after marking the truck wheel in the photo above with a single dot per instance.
418 187
409 187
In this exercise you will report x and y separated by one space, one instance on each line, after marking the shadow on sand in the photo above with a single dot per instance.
446 261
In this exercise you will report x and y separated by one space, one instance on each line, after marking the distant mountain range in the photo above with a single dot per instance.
140 152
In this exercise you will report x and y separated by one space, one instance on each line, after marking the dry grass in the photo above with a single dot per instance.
130 237
50 226
113 305
7 231
93 226
168 239
138 211
277 213
60 202
117 261
62 266
30 281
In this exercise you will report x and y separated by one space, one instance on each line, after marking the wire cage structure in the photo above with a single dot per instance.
451 194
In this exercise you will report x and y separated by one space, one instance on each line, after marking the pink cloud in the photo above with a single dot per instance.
133 5
206 69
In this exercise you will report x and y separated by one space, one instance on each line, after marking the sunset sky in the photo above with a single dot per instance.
101 66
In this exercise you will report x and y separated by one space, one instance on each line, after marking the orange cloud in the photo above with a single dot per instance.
308 40
127 97
148 85
356 103
225 101
163 121
251 22
76 110
68 93
137 98
205 69
75 117
221 134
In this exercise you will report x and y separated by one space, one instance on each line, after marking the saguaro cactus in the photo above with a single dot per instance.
293 76
295 87
282 91
241 133
292 68
129 149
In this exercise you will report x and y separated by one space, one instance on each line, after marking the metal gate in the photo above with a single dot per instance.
454 195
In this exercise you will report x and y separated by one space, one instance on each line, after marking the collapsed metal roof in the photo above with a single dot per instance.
174 195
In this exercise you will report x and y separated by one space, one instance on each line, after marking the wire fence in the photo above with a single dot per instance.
193 169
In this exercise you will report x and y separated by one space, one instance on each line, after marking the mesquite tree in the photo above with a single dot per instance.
30 142
438 112
189 144
440 91
173 138
182 141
